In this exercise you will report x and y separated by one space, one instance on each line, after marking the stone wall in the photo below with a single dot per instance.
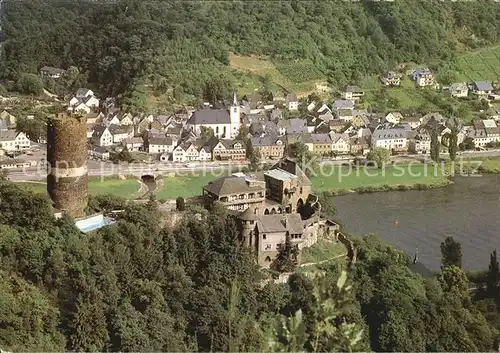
67 179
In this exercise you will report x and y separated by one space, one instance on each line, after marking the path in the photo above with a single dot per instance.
322 261
51 95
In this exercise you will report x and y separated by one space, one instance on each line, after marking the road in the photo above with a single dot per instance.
109 169
104 169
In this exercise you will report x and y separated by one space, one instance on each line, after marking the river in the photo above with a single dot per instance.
468 210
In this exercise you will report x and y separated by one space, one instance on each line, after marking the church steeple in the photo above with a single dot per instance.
235 120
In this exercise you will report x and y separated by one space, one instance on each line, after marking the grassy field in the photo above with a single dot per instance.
487 165
185 186
345 178
124 188
321 251
301 76
483 64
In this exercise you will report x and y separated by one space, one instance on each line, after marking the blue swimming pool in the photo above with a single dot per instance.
93 223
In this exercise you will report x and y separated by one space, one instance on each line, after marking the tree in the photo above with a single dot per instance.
451 253
329 330
308 161
467 144
254 159
454 280
29 84
287 257
493 278
380 156
455 126
243 133
180 204
206 132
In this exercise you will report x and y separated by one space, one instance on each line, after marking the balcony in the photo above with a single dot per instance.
225 200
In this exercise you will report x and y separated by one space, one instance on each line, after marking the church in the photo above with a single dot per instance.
225 123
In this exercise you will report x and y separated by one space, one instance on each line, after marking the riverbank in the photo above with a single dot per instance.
489 165
345 180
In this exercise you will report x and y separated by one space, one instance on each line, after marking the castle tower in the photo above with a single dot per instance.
67 176
246 220
234 113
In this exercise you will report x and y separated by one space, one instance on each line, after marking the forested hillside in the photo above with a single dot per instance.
184 47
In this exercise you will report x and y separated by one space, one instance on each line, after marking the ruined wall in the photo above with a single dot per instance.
67 178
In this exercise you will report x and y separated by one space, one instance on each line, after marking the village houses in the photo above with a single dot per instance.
225 123
102 137
459 90
11 140
482 89
341 143
268 147
423 77
390 78
52 72
393 139
352 93
291 102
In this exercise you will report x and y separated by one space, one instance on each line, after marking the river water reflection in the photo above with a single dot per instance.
468 210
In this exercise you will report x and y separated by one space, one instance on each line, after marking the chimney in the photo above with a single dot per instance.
285 222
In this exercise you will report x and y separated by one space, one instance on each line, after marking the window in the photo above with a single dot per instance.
268 247
264 236
278 247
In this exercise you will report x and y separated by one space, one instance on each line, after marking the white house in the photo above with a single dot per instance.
160 145
423 77
291 101
352 93
52 72
91 102
98 152
102 137
394 117
391 78
133 144
396 139
421 143
459 90
485 132
126 120
81 108
179 154
13 141
82 93
482 88
119 133
341 143
224 123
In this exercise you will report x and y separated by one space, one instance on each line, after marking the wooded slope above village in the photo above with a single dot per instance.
185 46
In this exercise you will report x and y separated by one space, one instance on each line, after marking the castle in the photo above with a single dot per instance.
271 206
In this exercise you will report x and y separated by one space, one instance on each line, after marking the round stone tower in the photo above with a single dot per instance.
246 222
67 176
